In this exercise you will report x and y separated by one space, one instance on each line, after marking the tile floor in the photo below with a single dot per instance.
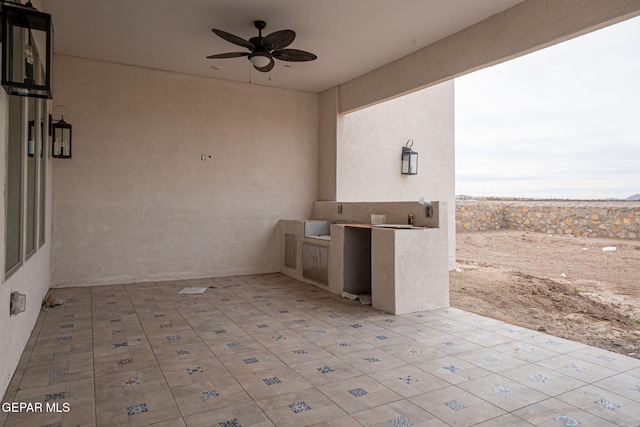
267 350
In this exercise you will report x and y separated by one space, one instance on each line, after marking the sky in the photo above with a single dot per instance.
562 122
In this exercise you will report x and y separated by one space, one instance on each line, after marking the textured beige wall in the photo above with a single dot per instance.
369 147
137 203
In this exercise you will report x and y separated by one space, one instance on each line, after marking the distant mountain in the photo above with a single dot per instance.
634 197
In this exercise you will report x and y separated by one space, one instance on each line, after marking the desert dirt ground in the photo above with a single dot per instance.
563 285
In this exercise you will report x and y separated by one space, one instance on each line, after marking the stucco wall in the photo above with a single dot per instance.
137 203
590 219
369 147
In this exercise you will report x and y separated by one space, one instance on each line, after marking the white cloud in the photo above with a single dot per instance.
561 122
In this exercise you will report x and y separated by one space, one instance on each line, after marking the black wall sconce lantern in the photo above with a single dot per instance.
61 133
27 37
409 159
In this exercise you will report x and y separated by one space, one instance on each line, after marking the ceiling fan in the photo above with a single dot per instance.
263 50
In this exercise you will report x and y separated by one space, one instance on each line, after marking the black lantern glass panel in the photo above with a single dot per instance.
61 141
26 51
409 160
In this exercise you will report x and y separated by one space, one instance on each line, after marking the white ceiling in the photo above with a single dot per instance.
350 37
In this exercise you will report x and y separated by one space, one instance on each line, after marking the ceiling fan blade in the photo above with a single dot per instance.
233 39
228 55
267 67
293 55
278 39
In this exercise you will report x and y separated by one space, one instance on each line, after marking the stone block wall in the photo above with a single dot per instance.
617 219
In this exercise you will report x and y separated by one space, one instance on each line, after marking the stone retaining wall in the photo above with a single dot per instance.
618 219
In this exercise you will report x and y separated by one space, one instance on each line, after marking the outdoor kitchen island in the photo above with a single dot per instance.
403 268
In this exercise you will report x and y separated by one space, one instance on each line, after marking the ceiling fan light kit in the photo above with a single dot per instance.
263 50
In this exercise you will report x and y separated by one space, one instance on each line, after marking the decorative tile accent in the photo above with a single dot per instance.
272 381
283 311
356 326
358 392
541 378
389 320
567 421
54 396
400 421
382 337
325 370
372 359
208 394
299 407
137 409
300 352
208 320
58 372
116 331
166 325
111 302
60 354
408 379
262 326
299 321
115 320
449 344
158 315
501 390
182 352
319 332
279 338
343 344
490 359
452 368
130 382
122 344
231 423
233 344
66 316
416 331
575 367
448 325
53 425
173 337
455 405
334 315
125 361
192 371
191 303
601 357
606 404
250 360
149 299
200 311
65 338
636 388
300 300
420 315
220 331
414 352
66 326
553 343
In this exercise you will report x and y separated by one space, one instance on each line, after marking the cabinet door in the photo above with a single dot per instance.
290 250
315 263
